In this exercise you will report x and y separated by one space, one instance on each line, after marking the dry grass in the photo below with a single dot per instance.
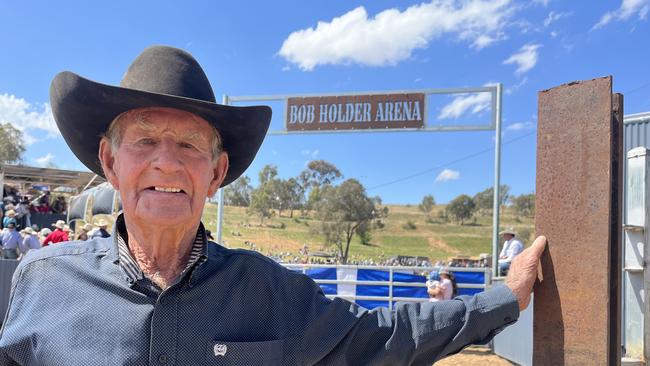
431 237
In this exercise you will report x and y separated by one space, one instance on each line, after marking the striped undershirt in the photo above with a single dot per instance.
197 256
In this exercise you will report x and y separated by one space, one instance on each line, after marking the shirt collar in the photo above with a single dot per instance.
198 253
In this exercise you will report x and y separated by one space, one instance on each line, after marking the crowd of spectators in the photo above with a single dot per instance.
18 235
305 256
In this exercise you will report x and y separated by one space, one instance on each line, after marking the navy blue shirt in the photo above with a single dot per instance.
74 304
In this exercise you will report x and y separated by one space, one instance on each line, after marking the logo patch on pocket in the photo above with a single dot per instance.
220 349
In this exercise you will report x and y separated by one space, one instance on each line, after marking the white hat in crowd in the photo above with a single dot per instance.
60 224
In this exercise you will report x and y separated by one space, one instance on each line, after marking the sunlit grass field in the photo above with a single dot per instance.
428 236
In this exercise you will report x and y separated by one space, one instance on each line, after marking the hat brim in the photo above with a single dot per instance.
83 110
508 232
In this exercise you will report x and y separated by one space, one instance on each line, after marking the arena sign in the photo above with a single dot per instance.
352 112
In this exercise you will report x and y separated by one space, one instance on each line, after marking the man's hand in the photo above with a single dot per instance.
523 272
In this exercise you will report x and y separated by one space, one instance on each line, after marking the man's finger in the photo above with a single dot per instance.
538 246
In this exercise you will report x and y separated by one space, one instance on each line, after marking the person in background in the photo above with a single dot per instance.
445 288
433 283
68 231
83 233
101 232
10 217
511 248
58 235
30 241
11 239
43 234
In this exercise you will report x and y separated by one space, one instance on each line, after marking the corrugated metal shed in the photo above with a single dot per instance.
637 130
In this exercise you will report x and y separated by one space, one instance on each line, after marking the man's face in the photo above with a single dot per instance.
164 168
508 236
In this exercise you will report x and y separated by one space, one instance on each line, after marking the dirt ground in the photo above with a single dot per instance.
474 356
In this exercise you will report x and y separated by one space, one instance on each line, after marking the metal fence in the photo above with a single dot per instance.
391 282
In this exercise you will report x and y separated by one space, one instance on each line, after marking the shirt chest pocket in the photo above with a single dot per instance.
275 352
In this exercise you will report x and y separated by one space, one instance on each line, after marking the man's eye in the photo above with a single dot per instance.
186 145
147 141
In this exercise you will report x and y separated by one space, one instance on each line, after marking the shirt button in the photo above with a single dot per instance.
164 301
507 319
162 359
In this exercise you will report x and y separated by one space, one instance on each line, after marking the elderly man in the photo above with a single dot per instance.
155 293
511 248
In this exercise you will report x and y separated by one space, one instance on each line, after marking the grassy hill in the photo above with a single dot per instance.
430 237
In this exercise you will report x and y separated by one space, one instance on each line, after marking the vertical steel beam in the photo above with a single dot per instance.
579 172
496 204
220 198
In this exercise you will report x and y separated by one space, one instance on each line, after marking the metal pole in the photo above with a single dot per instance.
497 178
220 197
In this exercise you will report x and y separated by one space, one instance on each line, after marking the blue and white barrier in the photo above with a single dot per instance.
373 286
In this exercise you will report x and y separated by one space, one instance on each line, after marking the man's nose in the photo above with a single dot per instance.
167 157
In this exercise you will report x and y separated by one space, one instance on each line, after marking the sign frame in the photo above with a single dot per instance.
496 97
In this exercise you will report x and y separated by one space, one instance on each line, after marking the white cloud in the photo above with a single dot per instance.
627 10
44 160
392 35
312 153
26 117
525 59
475 103
553 34
447 175
516 87
554 17
520 126
286 68
542 2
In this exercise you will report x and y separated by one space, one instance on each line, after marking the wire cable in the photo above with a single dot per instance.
440 166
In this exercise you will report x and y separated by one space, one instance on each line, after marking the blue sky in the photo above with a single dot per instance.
294 47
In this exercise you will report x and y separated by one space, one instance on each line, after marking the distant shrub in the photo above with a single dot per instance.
409 225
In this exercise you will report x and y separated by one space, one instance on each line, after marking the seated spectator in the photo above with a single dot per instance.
511 248
11 239
58 235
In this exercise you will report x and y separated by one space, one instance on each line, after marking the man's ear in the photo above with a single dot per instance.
218 173
107 160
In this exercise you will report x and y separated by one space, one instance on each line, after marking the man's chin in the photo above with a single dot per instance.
164 218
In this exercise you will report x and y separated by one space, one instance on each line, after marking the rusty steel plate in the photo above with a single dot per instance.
578 203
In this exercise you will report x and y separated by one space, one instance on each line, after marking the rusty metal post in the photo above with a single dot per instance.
578 203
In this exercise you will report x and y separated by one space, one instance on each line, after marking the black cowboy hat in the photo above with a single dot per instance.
159 77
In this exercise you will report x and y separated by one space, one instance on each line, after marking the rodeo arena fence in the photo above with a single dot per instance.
375 286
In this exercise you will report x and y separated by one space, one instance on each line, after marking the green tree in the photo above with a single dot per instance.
427 204
524 204
238 193
344 210
484 200
288 194
318 174
264 196
12 145
462 208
